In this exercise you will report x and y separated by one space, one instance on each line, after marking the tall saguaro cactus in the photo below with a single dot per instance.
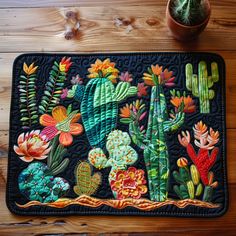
200 84
154 140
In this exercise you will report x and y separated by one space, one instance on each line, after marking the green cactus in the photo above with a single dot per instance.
99 100
190 186
200 84
208 190
154 142
37 184
99 108
189 12
86 183
121 154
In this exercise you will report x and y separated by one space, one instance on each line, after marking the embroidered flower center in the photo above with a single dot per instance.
129 183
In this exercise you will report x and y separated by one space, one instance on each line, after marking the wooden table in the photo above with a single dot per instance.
38 26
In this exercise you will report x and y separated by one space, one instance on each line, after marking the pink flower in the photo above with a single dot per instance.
64 93
142 90
76 80
126 77
32 145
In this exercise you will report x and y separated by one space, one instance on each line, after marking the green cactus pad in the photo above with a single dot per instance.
86 183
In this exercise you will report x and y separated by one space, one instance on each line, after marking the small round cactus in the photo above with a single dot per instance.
189 12
37 184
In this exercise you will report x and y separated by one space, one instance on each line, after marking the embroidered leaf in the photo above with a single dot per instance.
55 161
54 86
27 95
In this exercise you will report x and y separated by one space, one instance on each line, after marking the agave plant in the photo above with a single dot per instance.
189 12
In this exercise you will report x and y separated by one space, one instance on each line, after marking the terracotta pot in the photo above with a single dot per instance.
184 32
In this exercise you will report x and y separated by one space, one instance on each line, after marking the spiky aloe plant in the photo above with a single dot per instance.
189 12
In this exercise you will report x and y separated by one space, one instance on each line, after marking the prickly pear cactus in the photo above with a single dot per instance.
121 154
86 183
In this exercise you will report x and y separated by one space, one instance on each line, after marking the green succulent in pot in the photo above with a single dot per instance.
189 12
186 19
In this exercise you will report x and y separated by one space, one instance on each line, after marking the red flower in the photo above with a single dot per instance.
129 183
142 90
65 64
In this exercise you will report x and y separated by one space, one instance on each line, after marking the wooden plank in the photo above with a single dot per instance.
20 31
231 153
71 3
6 60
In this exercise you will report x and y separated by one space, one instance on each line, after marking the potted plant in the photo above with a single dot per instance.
186 19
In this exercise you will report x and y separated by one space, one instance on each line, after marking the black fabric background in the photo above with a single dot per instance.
136 64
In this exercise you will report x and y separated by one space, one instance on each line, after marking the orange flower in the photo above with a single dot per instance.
129 183
61 123
65 64
176 101
32 145
103 69
156 69
29 70
157 76
213 136
189 105
125 111
200 128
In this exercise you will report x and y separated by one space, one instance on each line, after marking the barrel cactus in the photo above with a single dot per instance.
86 183
38 184
121 154
99 102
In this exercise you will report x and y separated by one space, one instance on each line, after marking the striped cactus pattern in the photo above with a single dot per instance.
200 84
99 110
154 144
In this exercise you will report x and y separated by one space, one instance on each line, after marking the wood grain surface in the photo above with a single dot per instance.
38 26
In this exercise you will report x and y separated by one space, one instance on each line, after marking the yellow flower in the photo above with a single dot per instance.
182 162
29 70
103 69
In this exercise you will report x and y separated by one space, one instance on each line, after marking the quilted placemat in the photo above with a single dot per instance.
118 134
